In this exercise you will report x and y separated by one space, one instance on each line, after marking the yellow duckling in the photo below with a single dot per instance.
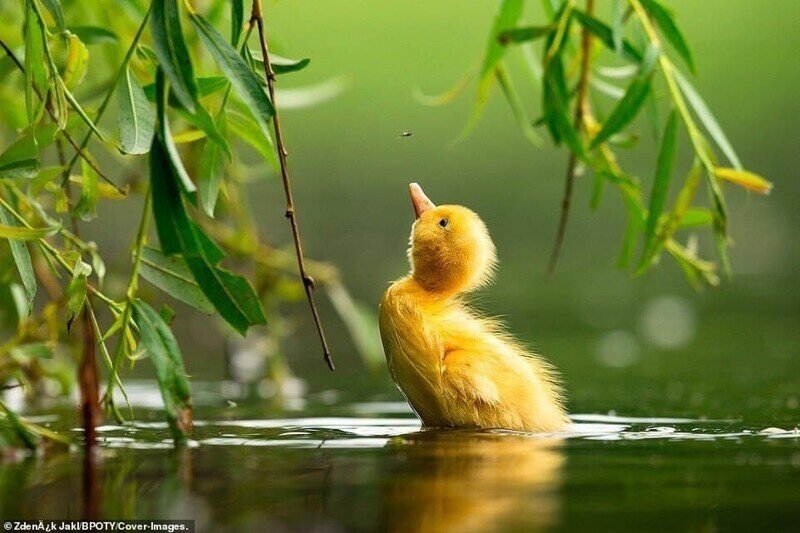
457 369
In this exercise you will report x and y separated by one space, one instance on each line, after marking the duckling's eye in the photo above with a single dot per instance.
444 222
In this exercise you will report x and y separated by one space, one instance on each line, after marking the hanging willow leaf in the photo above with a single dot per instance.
555 106
515 103
173 56
205 87
707 118
92 35
241 77
26 234
280 65
162 126
508 16
21 159
136 119
617 24
78 109
54 7
242 124
77 61
86 208
36 75
743 178
627 108
231 295
76 290
666 21
606 35
697 217
203 122
658 196
171 275
22 258
211 166
237 21
524 34
161 347
14 432
555 42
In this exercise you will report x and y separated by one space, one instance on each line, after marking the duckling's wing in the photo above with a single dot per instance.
465 375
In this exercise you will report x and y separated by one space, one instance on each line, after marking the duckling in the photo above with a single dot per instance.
458 369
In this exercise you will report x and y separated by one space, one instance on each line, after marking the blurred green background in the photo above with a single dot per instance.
623 343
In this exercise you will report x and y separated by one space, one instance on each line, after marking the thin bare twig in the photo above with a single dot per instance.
308 281
572 163
78 149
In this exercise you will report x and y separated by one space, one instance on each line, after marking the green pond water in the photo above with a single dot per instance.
324 463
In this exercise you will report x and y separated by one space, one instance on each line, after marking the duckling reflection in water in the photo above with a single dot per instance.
455 368
465 481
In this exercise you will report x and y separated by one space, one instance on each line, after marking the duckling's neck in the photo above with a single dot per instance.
432 294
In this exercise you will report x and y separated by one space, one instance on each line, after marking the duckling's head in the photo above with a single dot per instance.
450 248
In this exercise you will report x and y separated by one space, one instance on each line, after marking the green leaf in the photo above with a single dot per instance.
76 290
77 61
136 119
244 126
22 258
86 208
697 217
524 34
241 77
658 196
54 7
14 431
631 195
231 295
171 275
515 103
554 44
26 234
555 106
161 347
627 108
21 159
203 122
280 65
92 35
36 75
211 165
507 17
162 125
78 109
205 87
618 24
669 29
237 21
173 55
606 35
707 118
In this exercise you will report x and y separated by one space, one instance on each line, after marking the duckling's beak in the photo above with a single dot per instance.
420 202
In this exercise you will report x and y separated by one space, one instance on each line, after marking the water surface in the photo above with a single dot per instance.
363 466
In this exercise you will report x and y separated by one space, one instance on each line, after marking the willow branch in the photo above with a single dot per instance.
102 108
308 281
572 163
78 149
